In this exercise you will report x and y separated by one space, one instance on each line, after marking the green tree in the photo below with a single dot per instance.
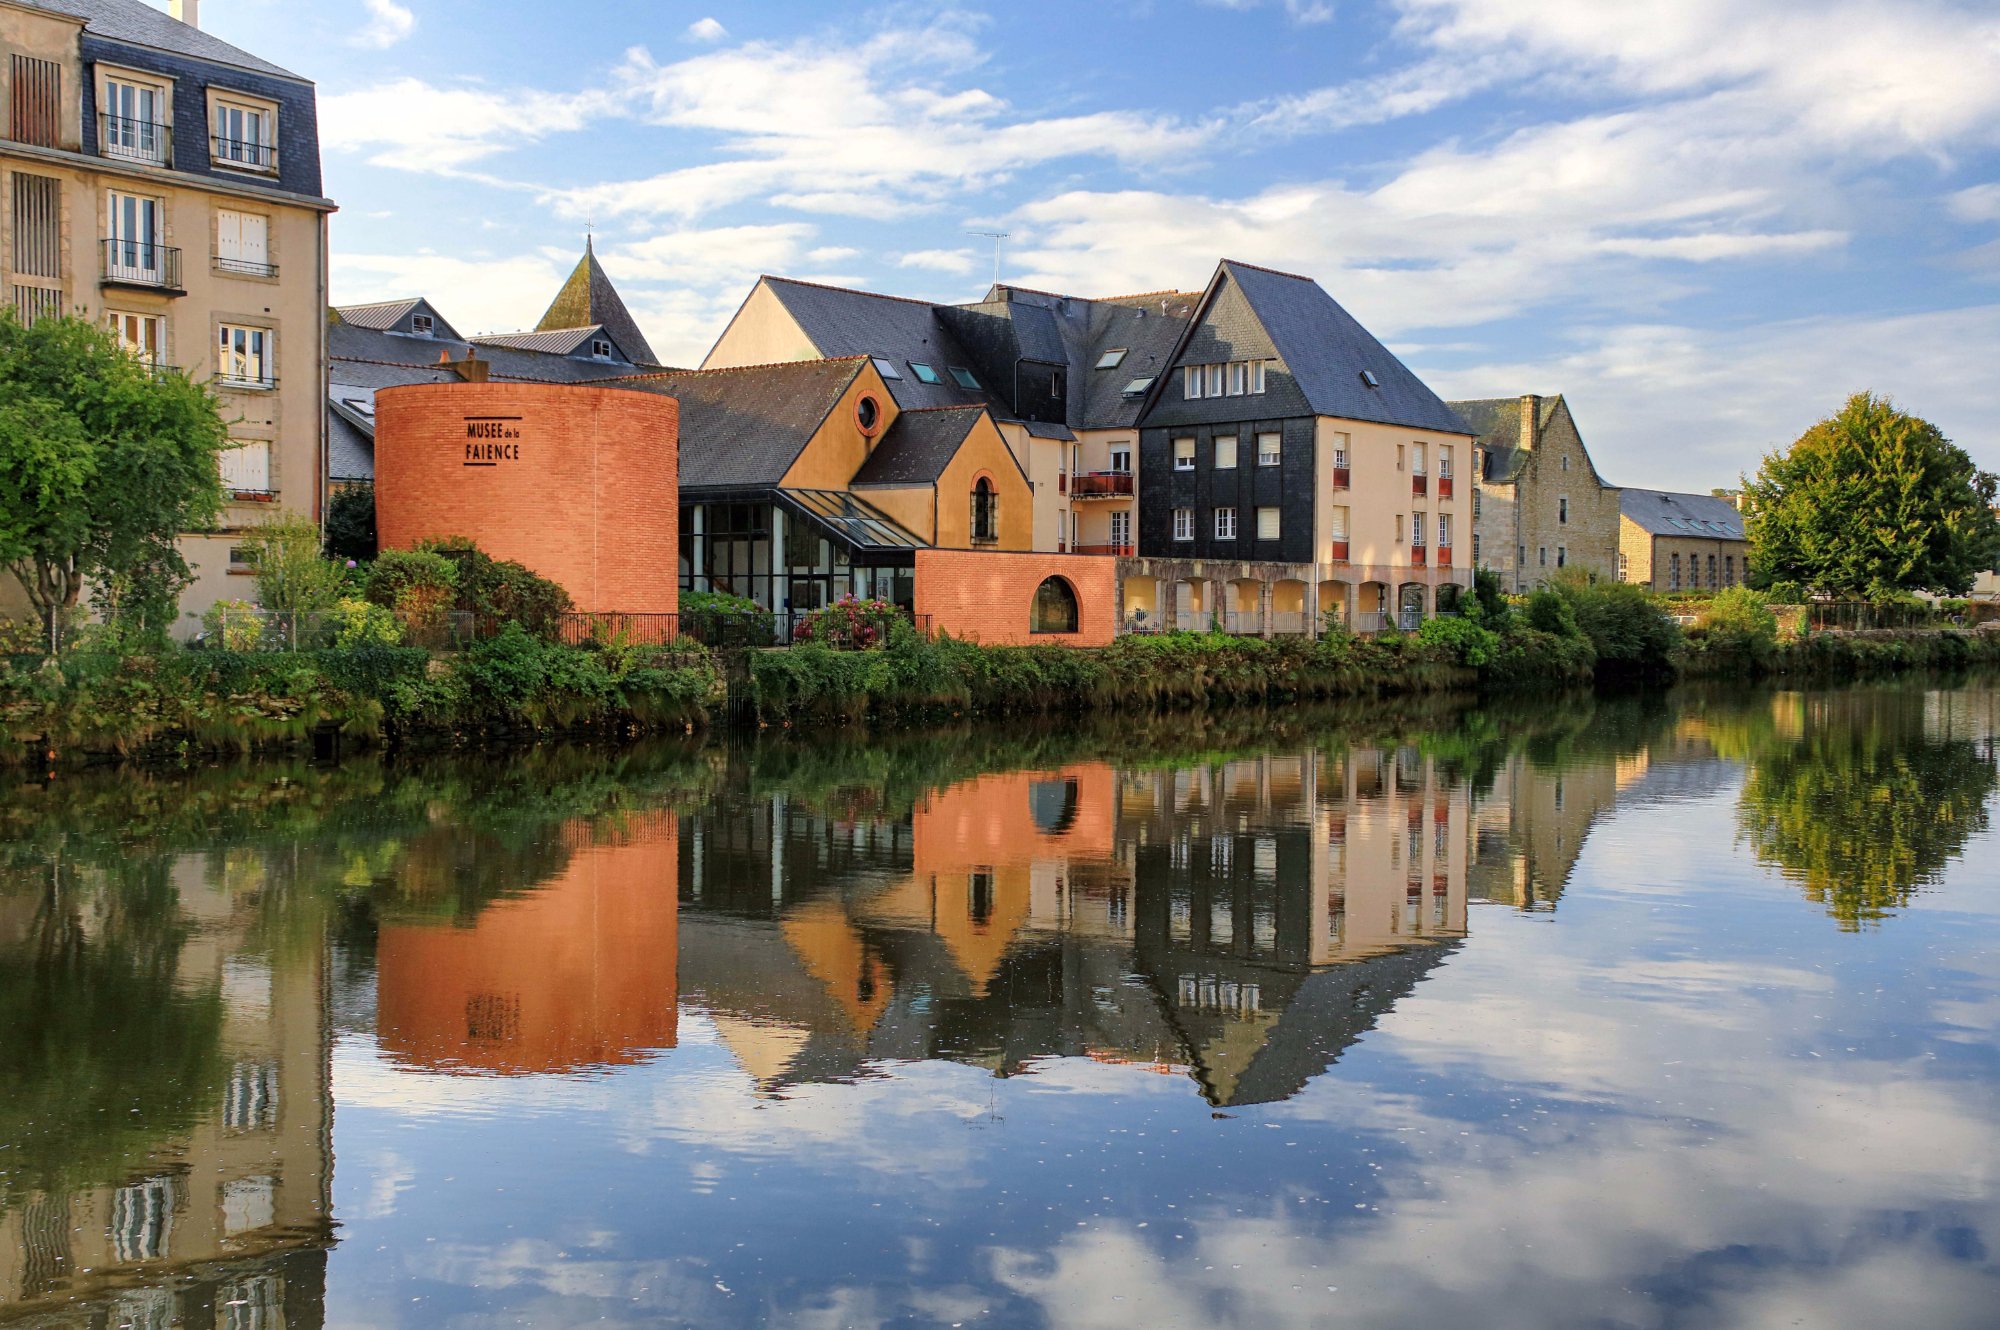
292 577
350 524
103 463
1869 502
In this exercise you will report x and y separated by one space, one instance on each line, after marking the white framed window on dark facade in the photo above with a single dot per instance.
1183 524
1225 452
1270 449
1225 524
1183 454
1267 523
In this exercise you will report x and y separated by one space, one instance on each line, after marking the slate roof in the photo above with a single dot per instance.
140 24
1695 516
555 341
348 342
1497 423
589 299
743 428
839 322
380 315
918 446
1326 349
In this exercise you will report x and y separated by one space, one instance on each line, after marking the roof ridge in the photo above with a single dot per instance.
378 304
669 373
1275 272
851 290
952 406
438 366
1138 295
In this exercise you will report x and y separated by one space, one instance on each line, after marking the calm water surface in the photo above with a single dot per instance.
1645 1013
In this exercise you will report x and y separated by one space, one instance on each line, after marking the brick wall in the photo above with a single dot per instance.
986 596
585 491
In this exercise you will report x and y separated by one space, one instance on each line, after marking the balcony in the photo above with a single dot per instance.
244 155
1419 556
1102 485
1444 487
1116 551
1420 484
145 267
252 379
1444 556
1340 551
1342 477
147 142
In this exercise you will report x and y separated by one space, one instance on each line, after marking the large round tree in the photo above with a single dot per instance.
1870 502
104 462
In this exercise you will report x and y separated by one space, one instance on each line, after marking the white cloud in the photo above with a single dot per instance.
388 23
1981 203
959 261
416 126
476 293
706 30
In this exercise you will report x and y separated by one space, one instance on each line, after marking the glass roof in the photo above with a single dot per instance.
860 524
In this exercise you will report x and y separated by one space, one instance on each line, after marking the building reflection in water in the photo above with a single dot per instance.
225 1222
1241 923
574 974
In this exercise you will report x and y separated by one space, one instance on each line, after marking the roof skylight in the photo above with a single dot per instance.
924 373
963 378
1368 377
1137 386
886 368
1113 358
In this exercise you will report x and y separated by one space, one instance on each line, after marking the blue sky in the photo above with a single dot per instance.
1705 222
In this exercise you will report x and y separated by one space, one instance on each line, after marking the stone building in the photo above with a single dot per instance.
1681 542
1541 504
166 184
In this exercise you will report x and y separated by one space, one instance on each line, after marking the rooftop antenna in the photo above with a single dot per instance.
996 237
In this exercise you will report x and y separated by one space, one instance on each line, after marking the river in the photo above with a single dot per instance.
1662 1011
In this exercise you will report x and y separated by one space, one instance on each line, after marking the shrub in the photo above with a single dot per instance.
361 623
418 586
1626 626
292 577
722 620
1459 640
350 525
849 622
233 625
500 591
1739 623
1551 613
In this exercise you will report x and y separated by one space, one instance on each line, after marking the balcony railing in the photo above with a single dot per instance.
244 155
1102 485
1342 477
1340 551
1119 551
1420 484
245 267
1444 487
134 263
131 140
1419 556
247 380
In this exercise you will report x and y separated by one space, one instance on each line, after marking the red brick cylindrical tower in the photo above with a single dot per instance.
579 482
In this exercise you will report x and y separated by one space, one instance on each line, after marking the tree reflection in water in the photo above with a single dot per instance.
1867 801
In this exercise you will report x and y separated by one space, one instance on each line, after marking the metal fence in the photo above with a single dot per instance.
607 628
1862 615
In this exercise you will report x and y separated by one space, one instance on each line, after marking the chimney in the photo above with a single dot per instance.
471 369
1531 410
187 11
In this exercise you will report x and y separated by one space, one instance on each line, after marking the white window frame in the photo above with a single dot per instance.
1121 527
1225 524
1212 380
1184 461
1444 531
1225 452
1444 461
125 323
1183 524
244 357
1191 382
1256 376
1337 516
133 138
1417 541
1121 460
1418 461
137 225
246 466
1276 454
1270 523
1239 377
230 145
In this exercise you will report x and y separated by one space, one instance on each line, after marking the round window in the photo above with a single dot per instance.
868 415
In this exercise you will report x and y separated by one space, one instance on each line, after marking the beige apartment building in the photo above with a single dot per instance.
167 184
1542 506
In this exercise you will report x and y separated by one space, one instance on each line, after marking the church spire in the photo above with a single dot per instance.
588 298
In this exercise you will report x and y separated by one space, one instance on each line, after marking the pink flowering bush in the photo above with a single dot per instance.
849 623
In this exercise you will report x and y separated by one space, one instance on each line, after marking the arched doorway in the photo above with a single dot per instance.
1288 607
1191 607
1448 598
1410 606
1373 614
1337 599
1055 608
1141 611
1245 610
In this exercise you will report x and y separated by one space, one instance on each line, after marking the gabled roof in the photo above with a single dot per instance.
919 446
1694 516
395 316
589 299
1496 421
839 322
1327 351
743 428
554 341
347 342
141 24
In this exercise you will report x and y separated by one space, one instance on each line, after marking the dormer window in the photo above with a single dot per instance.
422 325
600 348
1113 358
243 132
924 373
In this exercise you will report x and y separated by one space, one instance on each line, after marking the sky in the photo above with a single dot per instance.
1705 223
